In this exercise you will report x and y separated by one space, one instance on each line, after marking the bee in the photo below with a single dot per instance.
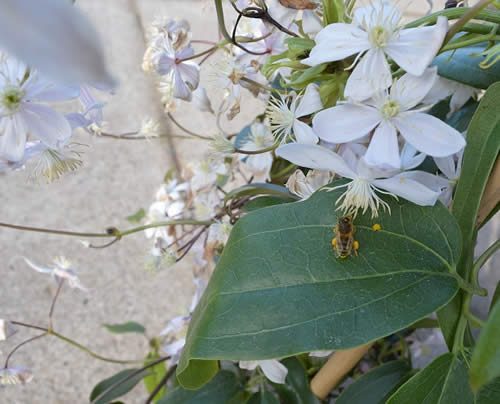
299 4
343 243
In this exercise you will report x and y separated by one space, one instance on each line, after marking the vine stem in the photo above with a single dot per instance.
469 15
482 260
112 231
69 341
265 150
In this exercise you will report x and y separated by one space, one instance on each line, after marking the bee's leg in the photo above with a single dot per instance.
355 247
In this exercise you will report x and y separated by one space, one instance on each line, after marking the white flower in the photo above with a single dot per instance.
284 113
54 37
161 257
304 186
177 31
15 375
273 369
388 114
286 16
52 164
260 138
375 33
6 329
21 111
176 328
206 172
221 146
206 204
150 128
443 88
61 270
91 117
168 61
361 193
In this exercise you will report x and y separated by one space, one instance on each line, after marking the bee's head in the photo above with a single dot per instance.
346 219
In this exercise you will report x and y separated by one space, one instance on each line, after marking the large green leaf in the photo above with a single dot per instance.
278 289
462 65
156 376
483 145
375 386
444 381
489 394
221 389
485 365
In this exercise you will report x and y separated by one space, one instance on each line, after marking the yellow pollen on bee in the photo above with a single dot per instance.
334 242
376 227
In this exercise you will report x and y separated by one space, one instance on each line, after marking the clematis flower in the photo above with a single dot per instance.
15 375
366 182
61 270
22 112
259 165
388 114
305 185
273 369
307 14
206 172
376 33
167 60
284 113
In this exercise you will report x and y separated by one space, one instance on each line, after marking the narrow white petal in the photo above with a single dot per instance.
410 158
310 102
314 156
181 89
383 150
54 37
415 48
447 166
336 42
370 76
461 95
12 138
190 72
43 270
304 133
410 90
408 189
345 123
46 124
274 370
429 134
434 182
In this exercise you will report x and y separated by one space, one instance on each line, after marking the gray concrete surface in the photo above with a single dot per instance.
118 178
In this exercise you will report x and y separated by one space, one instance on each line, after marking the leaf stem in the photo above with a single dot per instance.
265 150
491 250
454 14
469 42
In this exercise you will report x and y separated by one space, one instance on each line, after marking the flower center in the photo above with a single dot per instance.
11 98
379 36
390 109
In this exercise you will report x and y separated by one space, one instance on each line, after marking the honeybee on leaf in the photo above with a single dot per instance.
343 243
299 4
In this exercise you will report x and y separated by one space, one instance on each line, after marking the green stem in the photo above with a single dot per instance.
469 15
468 287
454 14
469 42
482 260
265 150
112 232
257 84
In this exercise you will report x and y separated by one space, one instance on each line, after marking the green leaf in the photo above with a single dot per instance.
157 374
462 65
262 202
256 188
128 327
489 394
444 381
483 145
375 386
333 11
263 397
485 365
278 289
116 386
297 389
137 216
496 297
221 389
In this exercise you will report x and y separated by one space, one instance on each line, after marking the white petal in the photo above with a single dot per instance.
304 133
12 138
370 76
310 102
190 72
248 365
410 158
336 42
181 89
410 90
54 37
274 370
383 150
434 182
408 189
429 134
441 89
415 48
39 89
37 268
461 95
314 156
447 166
46 124
311 23
345 123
